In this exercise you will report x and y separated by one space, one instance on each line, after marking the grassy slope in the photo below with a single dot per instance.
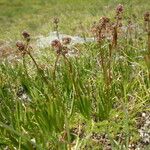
44 117
36 15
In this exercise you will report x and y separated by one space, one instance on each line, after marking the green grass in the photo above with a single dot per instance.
79 97
36 15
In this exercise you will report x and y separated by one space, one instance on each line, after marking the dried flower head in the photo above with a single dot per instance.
103 21
55 20
66 40
26 36
119 9
147 16
56 44
20 45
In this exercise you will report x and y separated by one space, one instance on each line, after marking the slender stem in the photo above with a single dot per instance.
25 67
70 66
104 68
148 37
56 29
57 58
109 65
115 36
34 60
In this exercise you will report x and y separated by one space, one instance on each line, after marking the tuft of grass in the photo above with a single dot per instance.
52 101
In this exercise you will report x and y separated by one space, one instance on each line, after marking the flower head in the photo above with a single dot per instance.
26 36
104 21
147 16
20 45
56 45
119 9
55 20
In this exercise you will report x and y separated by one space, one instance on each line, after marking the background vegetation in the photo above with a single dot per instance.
75 108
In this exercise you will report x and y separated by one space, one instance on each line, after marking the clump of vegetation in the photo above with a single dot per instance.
90 101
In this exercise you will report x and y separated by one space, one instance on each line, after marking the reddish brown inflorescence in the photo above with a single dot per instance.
55 20
26 36
119 9
56 45
99 30
147 16
20 45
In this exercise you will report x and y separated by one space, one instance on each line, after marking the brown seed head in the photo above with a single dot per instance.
56 45
66 40
103 21
20 45
25 34
55 20
119 9
147 16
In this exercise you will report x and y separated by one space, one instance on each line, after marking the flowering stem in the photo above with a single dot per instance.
148 37
56 61
25 67
34 61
